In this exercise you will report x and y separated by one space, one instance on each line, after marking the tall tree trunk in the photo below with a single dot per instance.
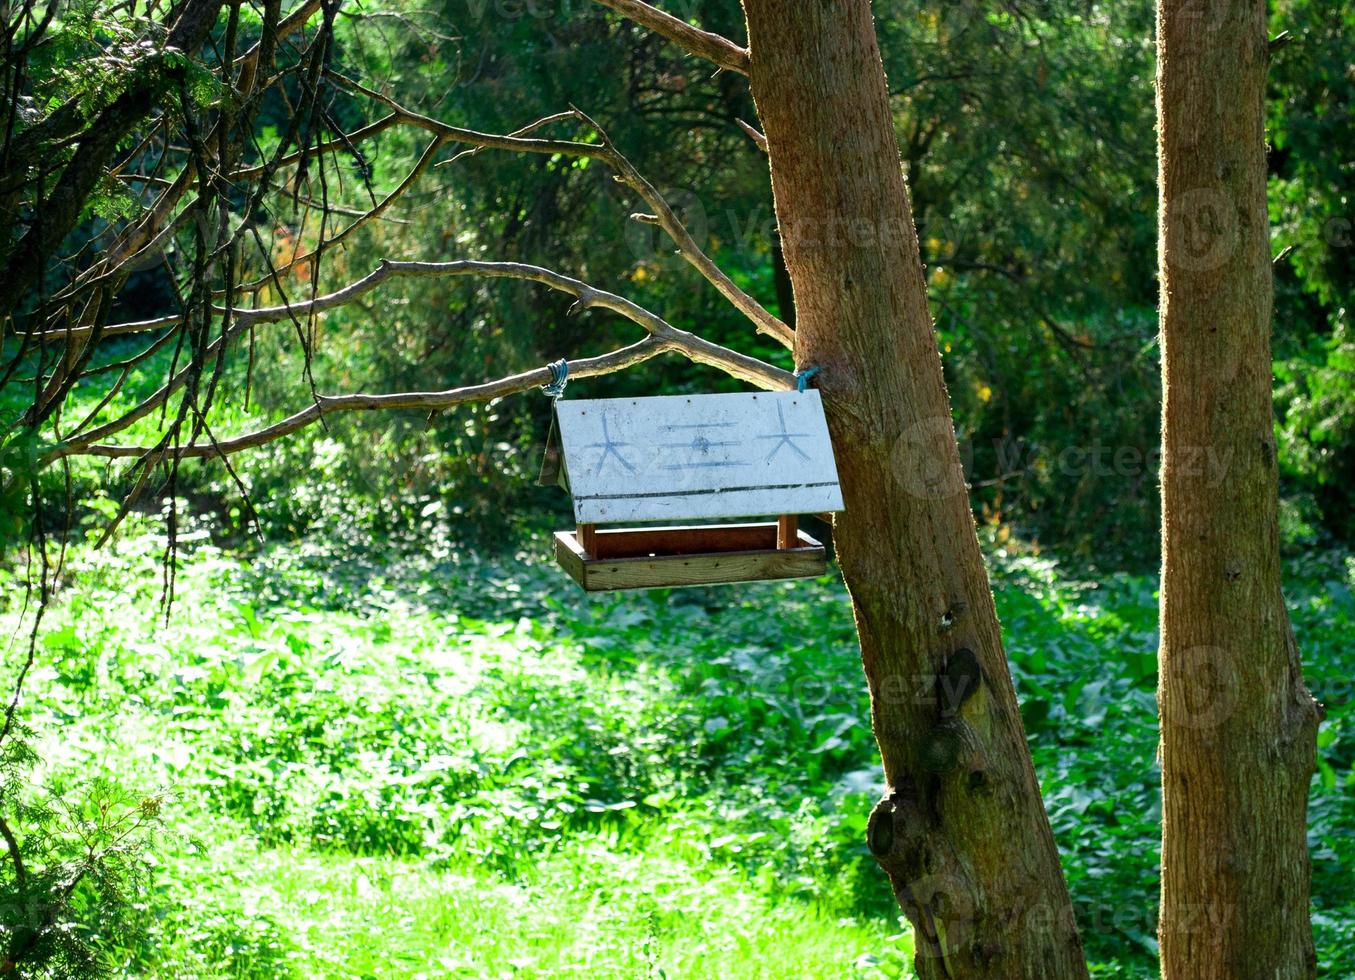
1238 724
963 833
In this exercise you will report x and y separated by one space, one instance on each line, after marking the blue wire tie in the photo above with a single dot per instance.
559 377
802 377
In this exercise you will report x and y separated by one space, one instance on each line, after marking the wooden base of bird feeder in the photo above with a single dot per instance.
611 559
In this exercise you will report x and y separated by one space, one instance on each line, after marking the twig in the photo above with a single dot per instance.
754 135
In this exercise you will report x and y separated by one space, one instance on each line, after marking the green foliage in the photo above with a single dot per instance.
18 469
396 755
486 767
320 714
74 870
1027 138
84 58
1032 186
1311 187
1037 222
1318 389
1312 180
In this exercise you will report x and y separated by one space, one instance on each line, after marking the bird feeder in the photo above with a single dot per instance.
637 465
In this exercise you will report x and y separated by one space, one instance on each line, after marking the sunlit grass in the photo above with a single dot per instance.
448 766
584 910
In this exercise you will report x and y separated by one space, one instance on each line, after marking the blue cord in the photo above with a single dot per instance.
802 377
559 377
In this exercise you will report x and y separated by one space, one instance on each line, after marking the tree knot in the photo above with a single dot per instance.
894 833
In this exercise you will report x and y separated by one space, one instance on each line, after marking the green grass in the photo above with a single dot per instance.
583 910
441 765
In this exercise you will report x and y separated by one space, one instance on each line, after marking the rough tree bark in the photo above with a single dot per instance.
1238 725
962 834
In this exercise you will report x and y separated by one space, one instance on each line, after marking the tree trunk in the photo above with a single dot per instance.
963 833
1238 725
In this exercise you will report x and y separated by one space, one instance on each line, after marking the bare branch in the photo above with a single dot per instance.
379 209
693 40
667 219
338 143
457 134
617 360
589 297
376 211
519 141
667 337
112 330
146 234
627 174
97 144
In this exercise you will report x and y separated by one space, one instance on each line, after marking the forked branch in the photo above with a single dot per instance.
520 141
168 216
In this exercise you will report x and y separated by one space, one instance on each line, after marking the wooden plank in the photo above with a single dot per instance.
587 537
750 566
663 571
698 456
641 542
570 557
787 531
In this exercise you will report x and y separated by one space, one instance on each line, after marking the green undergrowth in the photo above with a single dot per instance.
417 761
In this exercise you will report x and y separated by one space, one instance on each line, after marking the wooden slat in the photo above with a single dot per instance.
570 557
698 456
660 571
641 542
787 531
587 535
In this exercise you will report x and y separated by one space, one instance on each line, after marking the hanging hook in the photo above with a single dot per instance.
802 377
559 377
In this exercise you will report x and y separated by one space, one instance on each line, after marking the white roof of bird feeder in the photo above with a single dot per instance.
686 457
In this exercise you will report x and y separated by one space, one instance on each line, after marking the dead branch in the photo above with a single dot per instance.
458 134
737 365
379 209
666 336
338 143
667 219
612 362
167 216
146 235
753 134
627 174
376 211
96 146
693 40
605 151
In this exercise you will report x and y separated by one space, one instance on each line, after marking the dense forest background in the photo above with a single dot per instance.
1027 134
367 680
